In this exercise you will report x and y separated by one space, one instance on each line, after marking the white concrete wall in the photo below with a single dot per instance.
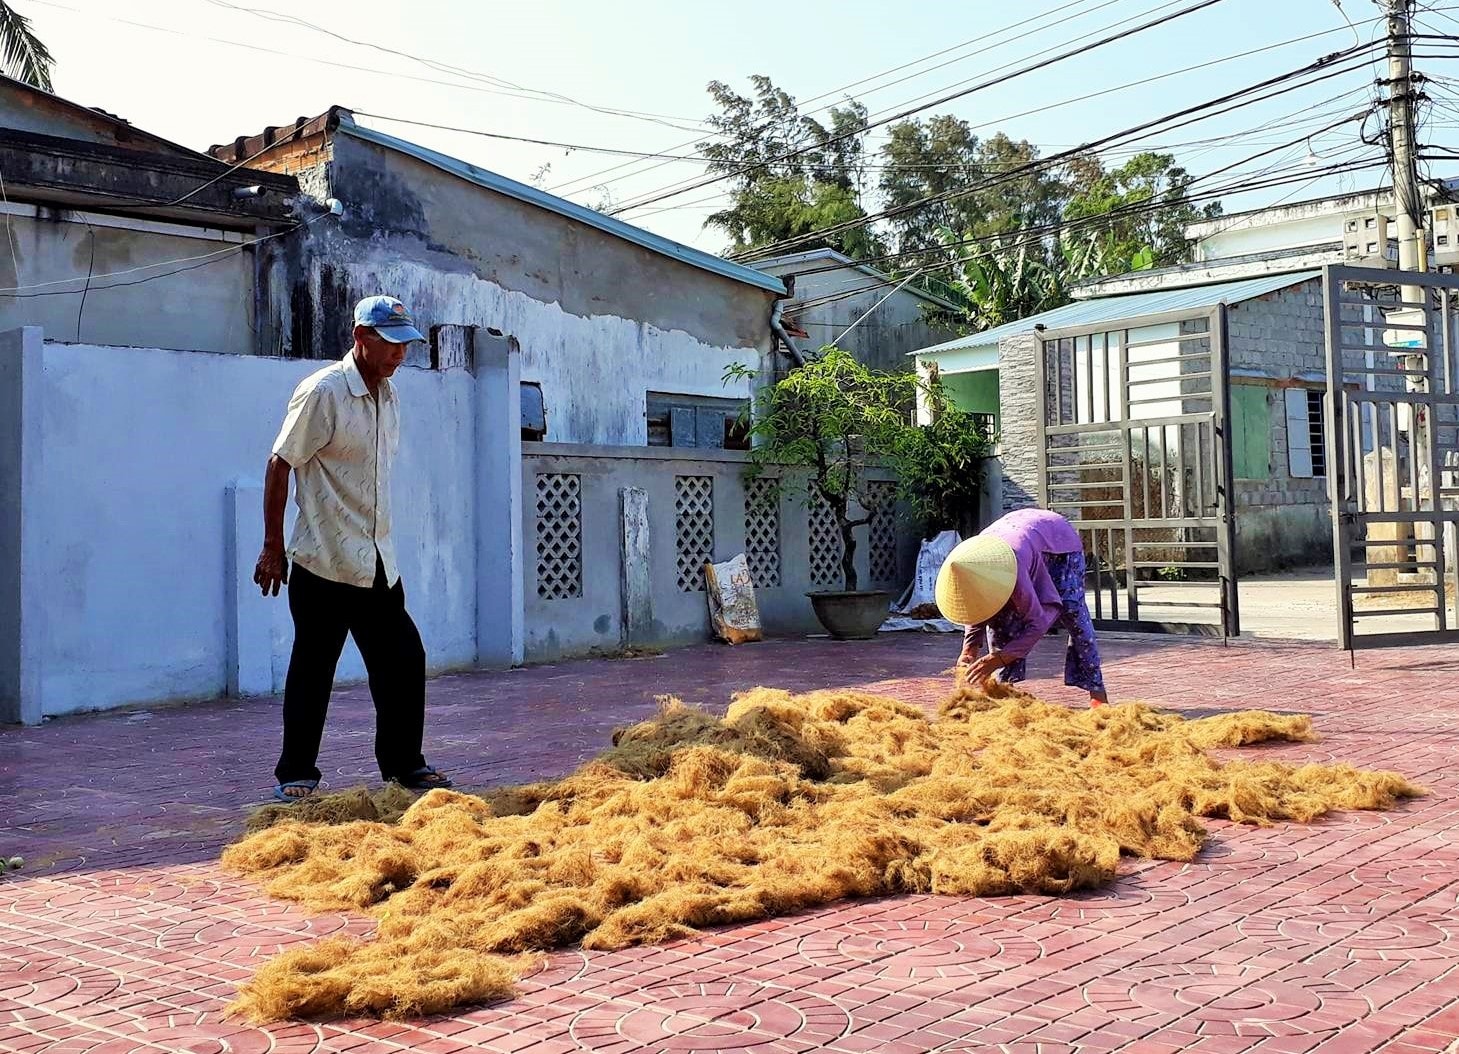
138 448
1245 237
595 371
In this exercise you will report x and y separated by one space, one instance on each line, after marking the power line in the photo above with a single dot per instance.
1106 91
973 40
1209 143
1021 22
18 291
1265 179
1037 236
1199 5
442 67
1010 65
1336 58
305 57
899 111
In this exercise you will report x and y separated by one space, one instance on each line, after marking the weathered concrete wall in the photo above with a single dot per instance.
600 321
204 308
132 561
886 339
575 625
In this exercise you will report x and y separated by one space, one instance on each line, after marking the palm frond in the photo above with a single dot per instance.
22 54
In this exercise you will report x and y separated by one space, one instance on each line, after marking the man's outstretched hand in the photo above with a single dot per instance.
272 571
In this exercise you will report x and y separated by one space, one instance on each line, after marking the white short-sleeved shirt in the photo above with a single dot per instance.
340 441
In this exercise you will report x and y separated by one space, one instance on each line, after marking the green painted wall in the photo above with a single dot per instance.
1251 454
975 392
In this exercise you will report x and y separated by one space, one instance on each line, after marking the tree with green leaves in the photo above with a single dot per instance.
1105 231
1004 279
23 55
941 155
1151 237
789 173
835 417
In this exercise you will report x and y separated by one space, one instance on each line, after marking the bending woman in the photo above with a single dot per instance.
1011 584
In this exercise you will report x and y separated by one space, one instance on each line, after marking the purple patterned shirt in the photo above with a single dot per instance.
1032 534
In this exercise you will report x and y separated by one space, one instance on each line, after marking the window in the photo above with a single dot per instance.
696 421
534 413
1314 431
1251 453
1306 452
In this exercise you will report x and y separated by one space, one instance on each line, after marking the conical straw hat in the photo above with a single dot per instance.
976 580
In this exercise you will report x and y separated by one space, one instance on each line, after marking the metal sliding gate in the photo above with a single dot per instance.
1392 437
1135 451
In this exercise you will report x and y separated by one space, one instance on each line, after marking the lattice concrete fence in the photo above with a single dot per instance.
621 535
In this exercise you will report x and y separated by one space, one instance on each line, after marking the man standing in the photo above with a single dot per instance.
339 438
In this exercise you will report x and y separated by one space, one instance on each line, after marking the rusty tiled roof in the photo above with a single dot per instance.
247 146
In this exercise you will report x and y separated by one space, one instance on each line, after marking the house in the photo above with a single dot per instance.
1276 359
118 236
1347 228
830 292
1261 271
617 326
567 464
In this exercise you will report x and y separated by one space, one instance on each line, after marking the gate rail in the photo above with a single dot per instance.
1134 449
1392 438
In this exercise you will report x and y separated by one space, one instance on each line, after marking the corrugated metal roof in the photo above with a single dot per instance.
522 192
1132 306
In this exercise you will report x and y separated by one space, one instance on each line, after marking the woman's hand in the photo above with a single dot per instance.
981 669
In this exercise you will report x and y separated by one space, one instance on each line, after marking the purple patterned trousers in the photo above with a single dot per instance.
1081 663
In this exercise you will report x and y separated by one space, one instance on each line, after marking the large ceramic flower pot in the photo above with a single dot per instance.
851 616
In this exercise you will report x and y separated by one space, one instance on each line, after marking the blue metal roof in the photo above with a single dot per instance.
532 196
1131 306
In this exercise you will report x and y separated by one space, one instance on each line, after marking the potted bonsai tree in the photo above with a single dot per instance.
834 418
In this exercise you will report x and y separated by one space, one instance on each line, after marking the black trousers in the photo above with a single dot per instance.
324 612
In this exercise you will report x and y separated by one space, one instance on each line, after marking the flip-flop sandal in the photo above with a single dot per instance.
290 799
423 779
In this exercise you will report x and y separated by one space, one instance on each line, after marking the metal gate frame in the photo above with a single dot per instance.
1217 515
1427 385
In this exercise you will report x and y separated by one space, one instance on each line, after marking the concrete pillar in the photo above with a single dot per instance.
500 556
248 615
636 569
453 347
22 617
1019 396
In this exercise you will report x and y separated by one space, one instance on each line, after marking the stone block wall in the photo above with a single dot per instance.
1021 403
1279 341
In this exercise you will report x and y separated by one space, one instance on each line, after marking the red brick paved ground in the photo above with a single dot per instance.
122 936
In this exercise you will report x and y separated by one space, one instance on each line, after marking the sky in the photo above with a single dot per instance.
201 72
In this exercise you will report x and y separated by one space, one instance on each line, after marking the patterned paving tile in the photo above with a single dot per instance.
122 935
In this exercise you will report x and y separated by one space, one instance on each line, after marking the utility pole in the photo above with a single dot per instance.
1412 257
1401 91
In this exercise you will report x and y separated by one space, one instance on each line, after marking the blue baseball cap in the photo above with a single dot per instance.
387 317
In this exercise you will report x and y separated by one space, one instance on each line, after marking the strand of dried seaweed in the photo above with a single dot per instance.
786 803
